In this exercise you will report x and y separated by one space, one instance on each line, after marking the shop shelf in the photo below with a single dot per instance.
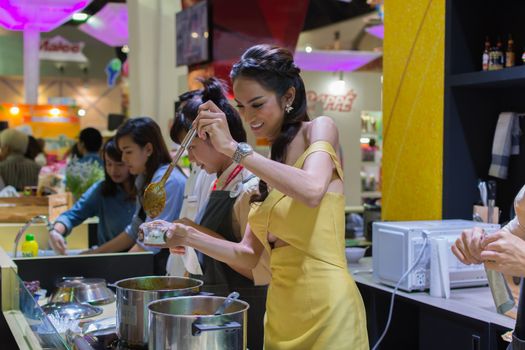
507 77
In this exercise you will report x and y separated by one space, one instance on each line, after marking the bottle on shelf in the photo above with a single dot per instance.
485 58
30 246
510 57
496 56
500 56
337 42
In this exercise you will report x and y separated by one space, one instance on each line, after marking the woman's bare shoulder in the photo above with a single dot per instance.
322 128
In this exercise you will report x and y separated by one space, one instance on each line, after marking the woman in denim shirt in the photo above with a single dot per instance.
144 151
112 200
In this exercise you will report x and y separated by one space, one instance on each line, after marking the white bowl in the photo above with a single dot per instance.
353 254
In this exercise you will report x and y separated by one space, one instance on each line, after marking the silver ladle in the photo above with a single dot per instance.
227 302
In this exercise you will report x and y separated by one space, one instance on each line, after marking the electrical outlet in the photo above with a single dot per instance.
420 279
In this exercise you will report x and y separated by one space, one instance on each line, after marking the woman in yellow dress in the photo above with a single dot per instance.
313 302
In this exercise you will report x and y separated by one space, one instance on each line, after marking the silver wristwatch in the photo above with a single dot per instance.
243 150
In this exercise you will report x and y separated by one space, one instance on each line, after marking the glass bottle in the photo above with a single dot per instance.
485 58
510 57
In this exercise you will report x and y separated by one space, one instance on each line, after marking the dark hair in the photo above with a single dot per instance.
74 152
214 90
274 68
33 148
91 138
179 124
109 187
144 130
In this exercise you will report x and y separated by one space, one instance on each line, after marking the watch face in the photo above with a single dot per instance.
245 148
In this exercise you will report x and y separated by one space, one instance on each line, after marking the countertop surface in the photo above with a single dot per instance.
93 220
476 303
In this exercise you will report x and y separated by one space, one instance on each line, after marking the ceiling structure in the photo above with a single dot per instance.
325 12
320 12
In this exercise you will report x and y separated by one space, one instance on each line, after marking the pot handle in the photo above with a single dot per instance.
198 328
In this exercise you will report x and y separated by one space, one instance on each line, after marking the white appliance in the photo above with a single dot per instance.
396 246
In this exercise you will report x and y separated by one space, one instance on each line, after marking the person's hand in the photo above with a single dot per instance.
177 235
504 252
467 247
211 123
57 242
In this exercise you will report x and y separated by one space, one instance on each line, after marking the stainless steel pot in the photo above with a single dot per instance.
189 323
133 297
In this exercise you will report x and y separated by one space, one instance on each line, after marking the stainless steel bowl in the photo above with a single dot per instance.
83 290
72 310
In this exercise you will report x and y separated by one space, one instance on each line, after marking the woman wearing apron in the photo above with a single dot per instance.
503 251
196 193
313 301
226 212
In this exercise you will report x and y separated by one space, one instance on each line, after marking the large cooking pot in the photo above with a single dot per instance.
133 297
189 323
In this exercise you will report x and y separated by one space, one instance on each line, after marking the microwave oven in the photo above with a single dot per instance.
396 246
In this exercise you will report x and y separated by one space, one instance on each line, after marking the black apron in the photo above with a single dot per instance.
220 279
518 337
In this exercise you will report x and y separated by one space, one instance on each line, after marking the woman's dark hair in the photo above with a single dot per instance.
180 124
109 187
33 148
92 139
144 130
274 68
214 90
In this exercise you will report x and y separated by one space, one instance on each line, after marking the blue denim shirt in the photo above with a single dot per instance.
114 213
92 157
174 196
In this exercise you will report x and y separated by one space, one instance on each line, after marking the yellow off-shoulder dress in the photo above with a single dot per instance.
313 302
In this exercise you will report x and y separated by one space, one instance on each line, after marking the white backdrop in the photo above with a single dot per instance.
362 92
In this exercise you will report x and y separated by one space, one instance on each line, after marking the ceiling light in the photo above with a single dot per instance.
14 110
81 112
308 49
338 87
54 111
80 16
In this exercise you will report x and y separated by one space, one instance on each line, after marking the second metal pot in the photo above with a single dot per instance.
133 297
190 323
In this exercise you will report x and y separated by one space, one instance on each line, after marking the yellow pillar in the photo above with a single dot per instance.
413 87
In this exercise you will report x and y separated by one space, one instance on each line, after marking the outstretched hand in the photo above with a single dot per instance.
467 247
504 252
